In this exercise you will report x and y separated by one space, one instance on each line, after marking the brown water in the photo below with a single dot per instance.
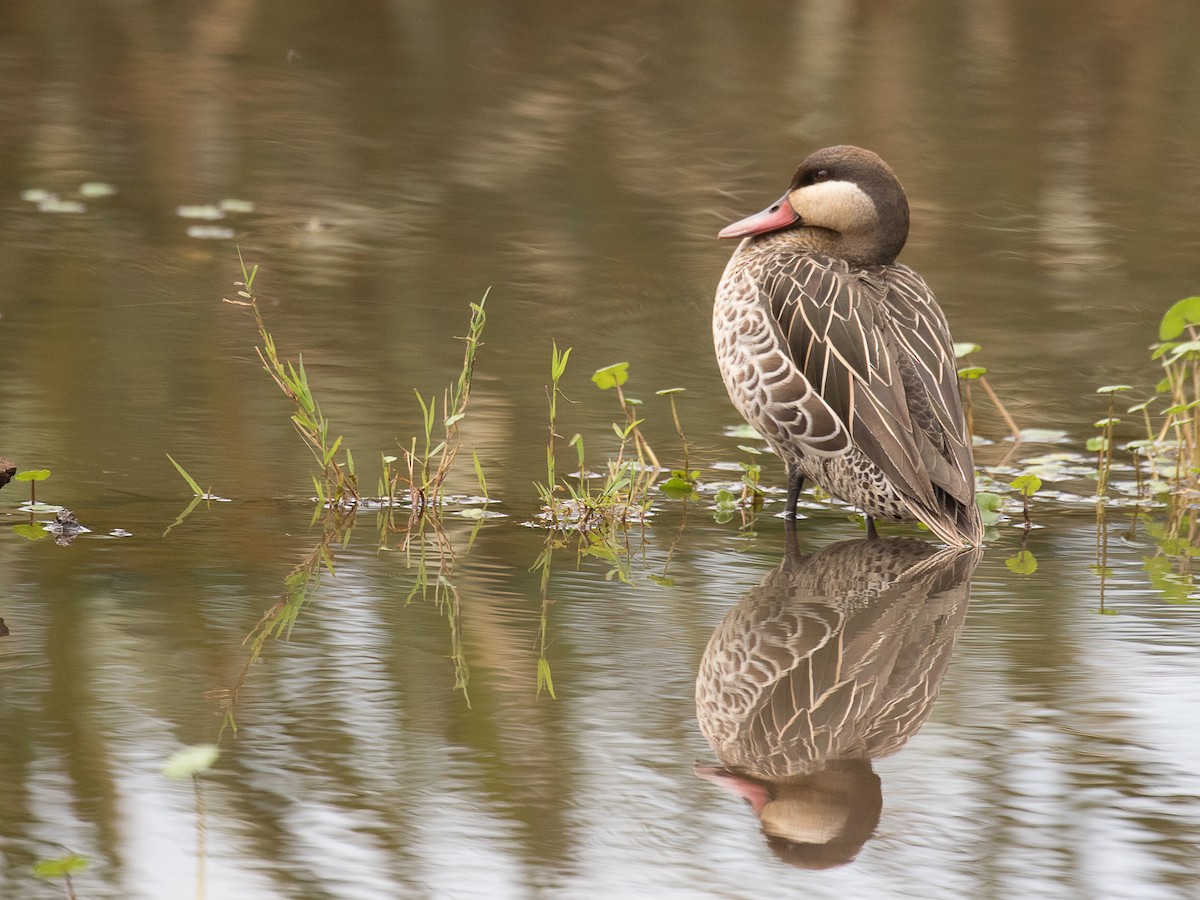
578 159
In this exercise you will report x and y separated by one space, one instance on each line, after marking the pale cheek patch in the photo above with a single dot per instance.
837 205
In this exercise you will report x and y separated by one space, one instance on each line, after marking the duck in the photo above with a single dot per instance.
841 357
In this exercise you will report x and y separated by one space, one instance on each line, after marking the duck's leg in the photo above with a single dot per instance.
872 534
795 486
791 546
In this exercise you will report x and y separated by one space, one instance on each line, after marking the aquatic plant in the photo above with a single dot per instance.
61 867
970 374
33 476
427 461
338 484
429 466
681 483
623 494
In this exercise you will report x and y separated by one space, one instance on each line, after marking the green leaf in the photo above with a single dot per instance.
726 500
558 363
191 761
32 475
60 867
990 506
611 376
471 512
753 451
479 473
31 531
1113 388
1182 314
457 417
544 681
191 482
965 349
664 580
1026 485
1097 444
971 373
1106 423
1190 349
1023 563
665 391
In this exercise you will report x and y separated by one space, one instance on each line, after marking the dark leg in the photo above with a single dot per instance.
795 486
791 546
872 534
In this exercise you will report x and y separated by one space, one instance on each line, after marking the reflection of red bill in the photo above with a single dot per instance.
750 791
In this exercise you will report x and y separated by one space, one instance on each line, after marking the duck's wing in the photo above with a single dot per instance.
919 327
876 348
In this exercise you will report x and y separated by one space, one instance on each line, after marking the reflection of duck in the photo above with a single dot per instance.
832 660
840 356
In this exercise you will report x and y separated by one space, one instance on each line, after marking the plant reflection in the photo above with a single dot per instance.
833 660
428 554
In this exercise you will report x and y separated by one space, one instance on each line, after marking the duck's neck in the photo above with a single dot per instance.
858 250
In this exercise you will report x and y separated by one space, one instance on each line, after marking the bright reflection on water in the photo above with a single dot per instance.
386 168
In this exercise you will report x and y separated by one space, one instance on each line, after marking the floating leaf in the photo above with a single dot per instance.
207 211
1097 444
233 205
60 867
1182 314
611 376
93 189
666 391
191 761
1023 563
210 233
743 431
1105 423
1113 388
971 373
1042 435
753 451
965 349
989 507
54 205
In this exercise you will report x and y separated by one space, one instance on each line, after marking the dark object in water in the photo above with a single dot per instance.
3 629
8 469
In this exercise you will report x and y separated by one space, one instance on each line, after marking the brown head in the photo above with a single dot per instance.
843 201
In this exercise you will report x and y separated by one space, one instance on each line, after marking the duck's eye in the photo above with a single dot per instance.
821 175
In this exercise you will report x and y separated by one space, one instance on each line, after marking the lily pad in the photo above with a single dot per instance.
191 761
